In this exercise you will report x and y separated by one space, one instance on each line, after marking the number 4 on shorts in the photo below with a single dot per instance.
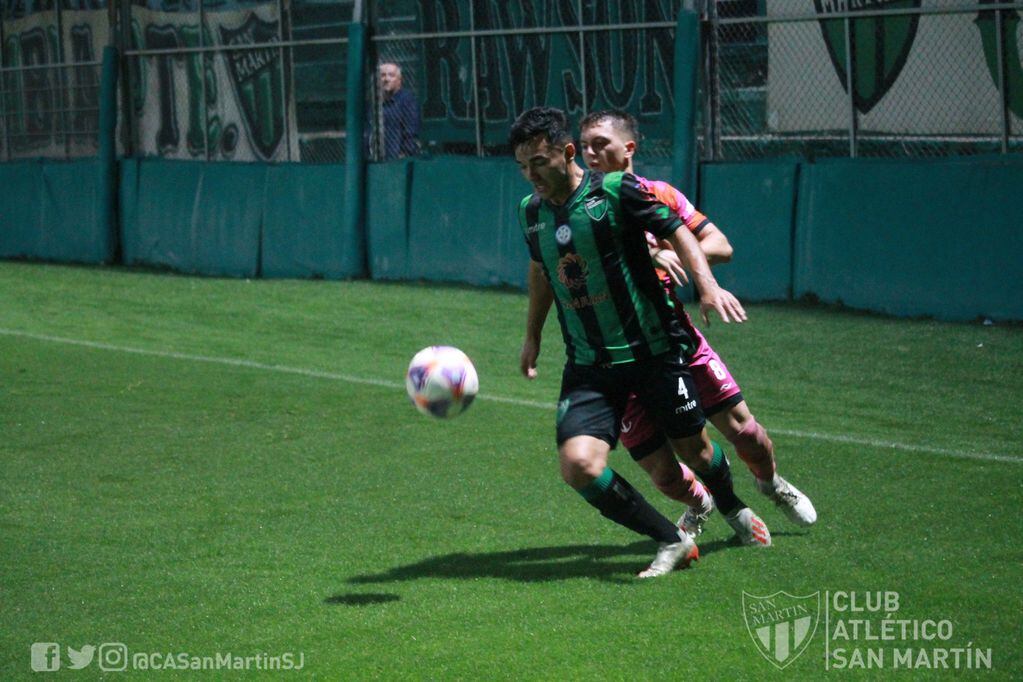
682 390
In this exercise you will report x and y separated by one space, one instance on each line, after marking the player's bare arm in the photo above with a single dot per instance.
541 296
712 296
714 244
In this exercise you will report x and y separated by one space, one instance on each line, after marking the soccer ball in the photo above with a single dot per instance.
441 381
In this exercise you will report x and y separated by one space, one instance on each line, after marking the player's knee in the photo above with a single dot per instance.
580 465
666 478
732 421
751 438
696 451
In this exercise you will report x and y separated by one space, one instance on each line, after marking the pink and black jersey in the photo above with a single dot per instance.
677 202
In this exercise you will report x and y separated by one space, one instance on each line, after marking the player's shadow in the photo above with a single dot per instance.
613 563
355 599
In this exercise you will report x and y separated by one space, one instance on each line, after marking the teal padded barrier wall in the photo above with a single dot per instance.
237 219
303 233
938 238
463 225
193 217
50 210
387 215
21 212
754 205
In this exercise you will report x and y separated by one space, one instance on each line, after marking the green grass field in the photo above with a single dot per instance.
207 466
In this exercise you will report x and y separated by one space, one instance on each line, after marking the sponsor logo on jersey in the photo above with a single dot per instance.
533 229
572 270
685 408
563 235
580 302
596 208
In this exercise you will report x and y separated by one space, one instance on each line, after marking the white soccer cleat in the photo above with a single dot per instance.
749 528
797 506
692 521
672 555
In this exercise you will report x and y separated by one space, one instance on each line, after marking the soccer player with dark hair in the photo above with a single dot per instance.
609 140
585 232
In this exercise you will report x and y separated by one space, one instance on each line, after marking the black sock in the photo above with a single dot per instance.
616 499
718 480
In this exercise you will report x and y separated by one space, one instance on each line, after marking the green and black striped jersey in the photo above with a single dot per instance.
611 305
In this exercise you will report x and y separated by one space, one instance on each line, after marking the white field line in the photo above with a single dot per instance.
383 383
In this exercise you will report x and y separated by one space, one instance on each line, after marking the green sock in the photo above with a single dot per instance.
598 486
718 479
617 500
718 460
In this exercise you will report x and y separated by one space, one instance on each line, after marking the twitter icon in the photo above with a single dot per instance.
82 658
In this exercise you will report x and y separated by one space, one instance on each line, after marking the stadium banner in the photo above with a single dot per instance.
628 69
930 74
250 103
52 112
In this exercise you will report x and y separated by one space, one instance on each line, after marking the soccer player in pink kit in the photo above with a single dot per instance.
608 140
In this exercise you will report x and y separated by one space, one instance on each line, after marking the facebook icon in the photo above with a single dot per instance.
45 656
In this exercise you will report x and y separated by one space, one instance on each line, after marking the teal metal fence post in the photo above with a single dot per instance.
108 146
354 226
687 68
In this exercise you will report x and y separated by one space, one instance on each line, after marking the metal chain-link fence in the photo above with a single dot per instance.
49 78
265 80
225 80
891 78
467 69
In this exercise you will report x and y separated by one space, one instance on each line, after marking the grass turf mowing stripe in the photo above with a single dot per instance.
349 378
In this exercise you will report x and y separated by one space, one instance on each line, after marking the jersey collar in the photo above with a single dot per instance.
583 188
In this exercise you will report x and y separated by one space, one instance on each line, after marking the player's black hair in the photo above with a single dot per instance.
547 121
619 118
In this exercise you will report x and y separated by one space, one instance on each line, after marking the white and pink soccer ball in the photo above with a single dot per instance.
441 381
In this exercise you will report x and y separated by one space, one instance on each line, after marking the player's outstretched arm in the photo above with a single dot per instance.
712 296
541 296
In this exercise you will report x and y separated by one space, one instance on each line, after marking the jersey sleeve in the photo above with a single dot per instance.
677 202
643 207
527 214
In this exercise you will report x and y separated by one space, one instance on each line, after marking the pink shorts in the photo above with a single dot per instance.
718 391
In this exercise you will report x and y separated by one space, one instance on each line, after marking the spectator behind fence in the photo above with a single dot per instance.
399 115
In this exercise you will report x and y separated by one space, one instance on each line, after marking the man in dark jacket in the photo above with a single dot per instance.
399 114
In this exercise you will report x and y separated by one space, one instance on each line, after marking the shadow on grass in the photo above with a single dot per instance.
361 599
612 563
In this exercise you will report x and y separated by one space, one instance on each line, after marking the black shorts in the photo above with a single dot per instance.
593 398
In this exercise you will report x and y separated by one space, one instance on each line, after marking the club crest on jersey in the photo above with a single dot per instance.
596 207
563 234
572 270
